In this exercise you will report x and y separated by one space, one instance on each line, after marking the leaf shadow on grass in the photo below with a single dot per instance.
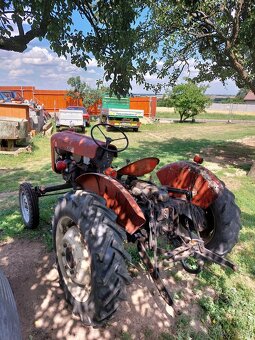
169 151
224 153
11 224
11 178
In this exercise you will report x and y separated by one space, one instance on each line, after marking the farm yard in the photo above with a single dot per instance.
215 304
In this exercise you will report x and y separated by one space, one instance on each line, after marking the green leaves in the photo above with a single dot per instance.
189 100
109 32
129 38
216 35
81 90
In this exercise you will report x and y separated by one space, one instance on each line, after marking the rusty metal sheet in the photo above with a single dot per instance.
129 214
72 142
13 128
205 186
140 167
75 143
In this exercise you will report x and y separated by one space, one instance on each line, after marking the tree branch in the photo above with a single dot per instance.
206 19
236 22
85 9
19 25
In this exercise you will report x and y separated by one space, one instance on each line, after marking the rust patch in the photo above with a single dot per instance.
204 185
129 214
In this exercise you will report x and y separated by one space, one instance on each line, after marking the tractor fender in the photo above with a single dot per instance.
205 186
118 199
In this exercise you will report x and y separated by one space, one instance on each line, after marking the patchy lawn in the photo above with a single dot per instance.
214 304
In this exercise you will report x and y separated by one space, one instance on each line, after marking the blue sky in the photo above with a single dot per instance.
40 67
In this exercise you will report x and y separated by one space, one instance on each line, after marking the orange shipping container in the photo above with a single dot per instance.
148 104
53 100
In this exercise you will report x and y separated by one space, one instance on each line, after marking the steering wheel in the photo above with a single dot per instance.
109 140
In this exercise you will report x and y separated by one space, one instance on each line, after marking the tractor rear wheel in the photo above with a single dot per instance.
29 207
9 319
222 224
90 256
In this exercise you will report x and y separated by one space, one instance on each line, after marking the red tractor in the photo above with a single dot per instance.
191 217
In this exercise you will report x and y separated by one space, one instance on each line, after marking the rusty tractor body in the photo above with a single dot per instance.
191 217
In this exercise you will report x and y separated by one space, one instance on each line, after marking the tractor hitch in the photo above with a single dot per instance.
209 255
194 249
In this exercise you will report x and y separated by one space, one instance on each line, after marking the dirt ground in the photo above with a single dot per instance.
44 313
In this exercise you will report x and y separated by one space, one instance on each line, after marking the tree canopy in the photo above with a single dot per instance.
81 90
107 32
136 38
189 100
216 37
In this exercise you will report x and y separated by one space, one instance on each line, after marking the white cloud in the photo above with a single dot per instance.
217 87
160 63
92 63
150 77
91 71
39 56
19 72
40 67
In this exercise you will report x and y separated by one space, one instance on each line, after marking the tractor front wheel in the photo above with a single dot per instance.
29 207
222 224
90 256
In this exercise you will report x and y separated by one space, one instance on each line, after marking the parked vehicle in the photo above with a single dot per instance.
190 217
86 116
70 119
116 111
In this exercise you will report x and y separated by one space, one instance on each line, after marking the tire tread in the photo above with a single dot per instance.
105 242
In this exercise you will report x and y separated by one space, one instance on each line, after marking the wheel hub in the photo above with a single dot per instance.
74 260
69 258
24 207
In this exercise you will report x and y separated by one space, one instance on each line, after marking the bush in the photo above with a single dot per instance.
164 102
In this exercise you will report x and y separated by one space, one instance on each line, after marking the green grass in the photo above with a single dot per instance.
34 167
229 313
209 115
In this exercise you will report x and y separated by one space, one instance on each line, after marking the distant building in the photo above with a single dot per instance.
249 98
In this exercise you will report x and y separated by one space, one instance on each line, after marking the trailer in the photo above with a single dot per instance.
123 118
70 119
116 111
